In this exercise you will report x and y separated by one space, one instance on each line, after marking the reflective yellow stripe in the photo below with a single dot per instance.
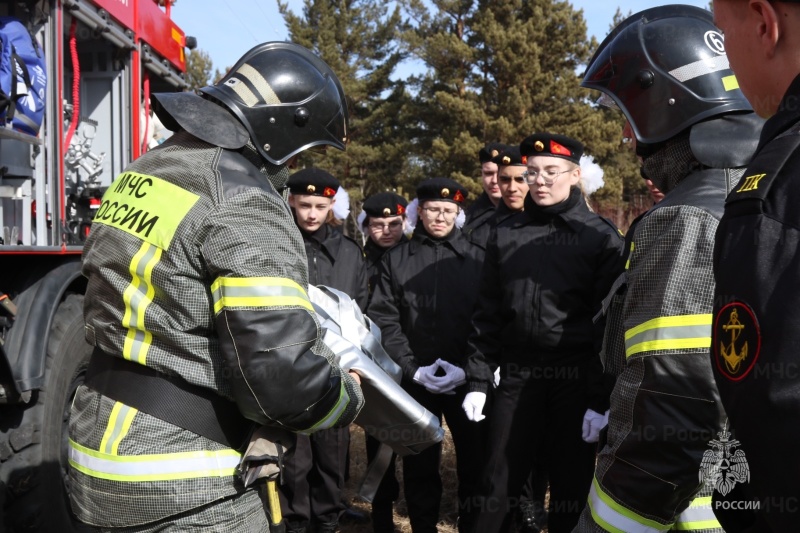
669 333
613 517
730 83
156 467
146 207
258 292
119 423
333 415
697 516
628 262
137 297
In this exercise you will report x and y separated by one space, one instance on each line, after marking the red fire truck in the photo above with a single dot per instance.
103 59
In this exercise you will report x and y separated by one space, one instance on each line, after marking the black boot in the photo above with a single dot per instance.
328 527
382 518
296 527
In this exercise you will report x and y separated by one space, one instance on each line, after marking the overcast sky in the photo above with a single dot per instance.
226 29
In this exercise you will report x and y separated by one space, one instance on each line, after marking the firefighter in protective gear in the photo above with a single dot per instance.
693 131
197 305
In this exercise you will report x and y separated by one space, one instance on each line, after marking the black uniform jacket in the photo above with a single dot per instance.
478 224
337 261
546 273
756 328
425 297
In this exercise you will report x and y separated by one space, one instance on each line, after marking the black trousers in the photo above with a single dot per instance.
313 477
422 483
536 407
389 489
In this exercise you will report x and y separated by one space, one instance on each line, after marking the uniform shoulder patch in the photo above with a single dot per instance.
736 340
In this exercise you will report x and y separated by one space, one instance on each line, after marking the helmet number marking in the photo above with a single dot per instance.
715 41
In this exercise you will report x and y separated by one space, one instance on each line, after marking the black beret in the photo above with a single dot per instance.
443 189
552 145
314 181
385 204
510 157
488 152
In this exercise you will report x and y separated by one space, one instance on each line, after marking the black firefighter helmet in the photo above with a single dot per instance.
288 99
666 69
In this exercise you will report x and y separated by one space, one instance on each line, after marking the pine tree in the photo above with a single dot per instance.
198 68
358 39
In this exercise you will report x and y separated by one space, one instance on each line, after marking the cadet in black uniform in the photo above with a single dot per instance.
514 189
756 328
546 272
478 216
423 303
383 220
314 474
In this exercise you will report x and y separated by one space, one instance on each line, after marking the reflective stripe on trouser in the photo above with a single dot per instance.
157 467
669 333
697 517
258 292
613 517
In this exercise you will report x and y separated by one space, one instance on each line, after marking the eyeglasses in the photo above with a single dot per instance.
549 176
434 212
509 179
391 226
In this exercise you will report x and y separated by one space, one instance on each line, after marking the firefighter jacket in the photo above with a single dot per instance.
546 272
478 222
425 297
337 261
195 269
665 407
756 330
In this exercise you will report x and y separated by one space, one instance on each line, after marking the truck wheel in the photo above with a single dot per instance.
36 474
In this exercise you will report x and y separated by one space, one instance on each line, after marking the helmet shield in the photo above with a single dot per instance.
288 99
666 69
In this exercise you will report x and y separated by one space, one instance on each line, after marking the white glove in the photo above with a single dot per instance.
593 423
496 377
425 375
454 376
473 405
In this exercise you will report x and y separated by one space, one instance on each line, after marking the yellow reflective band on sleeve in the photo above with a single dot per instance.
258 292
334 414
669 333
160 467
119 423
615 518
146 207
697 516
630 253
730 83
137 297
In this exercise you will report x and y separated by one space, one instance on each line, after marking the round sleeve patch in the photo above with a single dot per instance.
737 340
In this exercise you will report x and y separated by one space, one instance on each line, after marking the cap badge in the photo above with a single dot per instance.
559 149
387 211
400 209
311 189
328 192
495 153
524 159
506 160
445 192
458 197
538 146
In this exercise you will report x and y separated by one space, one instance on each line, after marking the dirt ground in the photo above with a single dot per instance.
358 464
